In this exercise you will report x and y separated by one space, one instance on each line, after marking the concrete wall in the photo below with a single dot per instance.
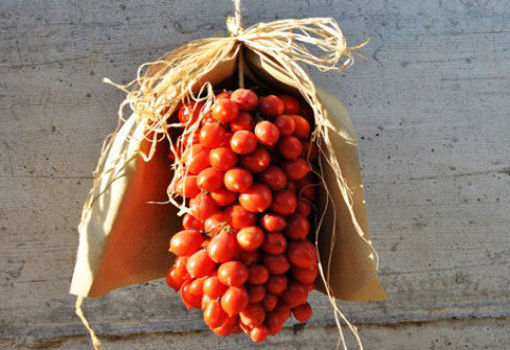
431 106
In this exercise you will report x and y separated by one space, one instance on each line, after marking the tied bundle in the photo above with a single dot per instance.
133 208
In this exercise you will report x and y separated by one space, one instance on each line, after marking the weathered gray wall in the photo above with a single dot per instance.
431 104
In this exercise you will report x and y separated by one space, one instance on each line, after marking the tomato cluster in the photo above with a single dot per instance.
243 255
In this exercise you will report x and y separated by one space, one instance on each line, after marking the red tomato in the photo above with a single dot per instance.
291 104
258 274
210 179
296 169
186 242
249 258
267 133
180 267
212 135
197 159
187 187
282 310
190 223
190 300
223 196
225 110
295 294
240 217
173 279
234 300
246 99
233 273
256 161
246 329
302 254
273 222
237 179
259 333
291 186
213 288
270 301
302 126
303 207
302 313
243 142
256 293
188 114
216 223
297 227
285 124
274 177
243 122
274 323
250 238
310 150
197 286
257 198
253 315
200 264
290 147
271 106
305 275
276 264
214 316
223 95
202 206
284 202
306 188
222 247
274 243
205 301
222 158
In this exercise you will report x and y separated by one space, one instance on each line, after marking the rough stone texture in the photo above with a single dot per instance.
431 107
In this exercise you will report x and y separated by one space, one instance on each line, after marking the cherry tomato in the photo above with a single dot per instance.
223 196
223 247
216 223
274 243
243 122
282 310
274 323
180 267
234 300
186 242
233 273
290 147
297 227
249 258
197 159
303 207
302 313
246 329
190 300
240 217
223 95
302 126
285 124
190 223
290 103
243 142
173 279
222 158
212 135
253 315
291 186
214 316
197 286
213 288
310 150
302 254
284 202
273 222
256 293
271 106
270 301
296 169
259 274
276 264
256 161
188 114
274 177
259 333
295 294
202 206
306 188
210 179
250 238
187 187
257 198
225 110
267 133
246 99
205 301
305 275
237 179
200 264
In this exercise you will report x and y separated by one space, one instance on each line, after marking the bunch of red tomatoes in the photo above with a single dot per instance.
243 255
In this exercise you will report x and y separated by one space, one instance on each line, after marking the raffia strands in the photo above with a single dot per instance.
177 77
